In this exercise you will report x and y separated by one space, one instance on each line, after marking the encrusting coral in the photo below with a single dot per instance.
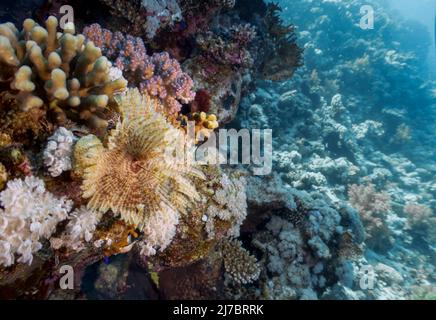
158 75
58 73
143 184
30 215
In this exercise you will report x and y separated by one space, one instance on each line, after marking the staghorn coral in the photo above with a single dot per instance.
144 183
373 207
158 75
240 266
30 215
58 152
58 73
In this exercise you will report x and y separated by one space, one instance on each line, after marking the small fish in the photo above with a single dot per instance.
106 260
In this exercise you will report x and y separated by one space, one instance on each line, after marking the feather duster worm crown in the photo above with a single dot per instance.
131 175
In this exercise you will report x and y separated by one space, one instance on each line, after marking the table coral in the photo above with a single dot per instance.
61 74
158 75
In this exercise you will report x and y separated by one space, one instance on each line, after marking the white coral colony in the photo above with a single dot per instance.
30 215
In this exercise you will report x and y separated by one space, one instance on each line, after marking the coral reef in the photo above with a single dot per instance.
3 176
332 136
96 145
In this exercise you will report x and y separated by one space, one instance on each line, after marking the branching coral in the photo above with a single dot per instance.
30 215
59 73
239 265
372 206
158 75
58 152
143 183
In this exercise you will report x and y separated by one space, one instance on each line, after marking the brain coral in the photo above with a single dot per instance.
132 175
56 72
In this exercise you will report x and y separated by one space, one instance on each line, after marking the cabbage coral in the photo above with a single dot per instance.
54 72
133 176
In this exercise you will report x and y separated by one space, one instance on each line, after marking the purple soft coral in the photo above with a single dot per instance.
158 75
